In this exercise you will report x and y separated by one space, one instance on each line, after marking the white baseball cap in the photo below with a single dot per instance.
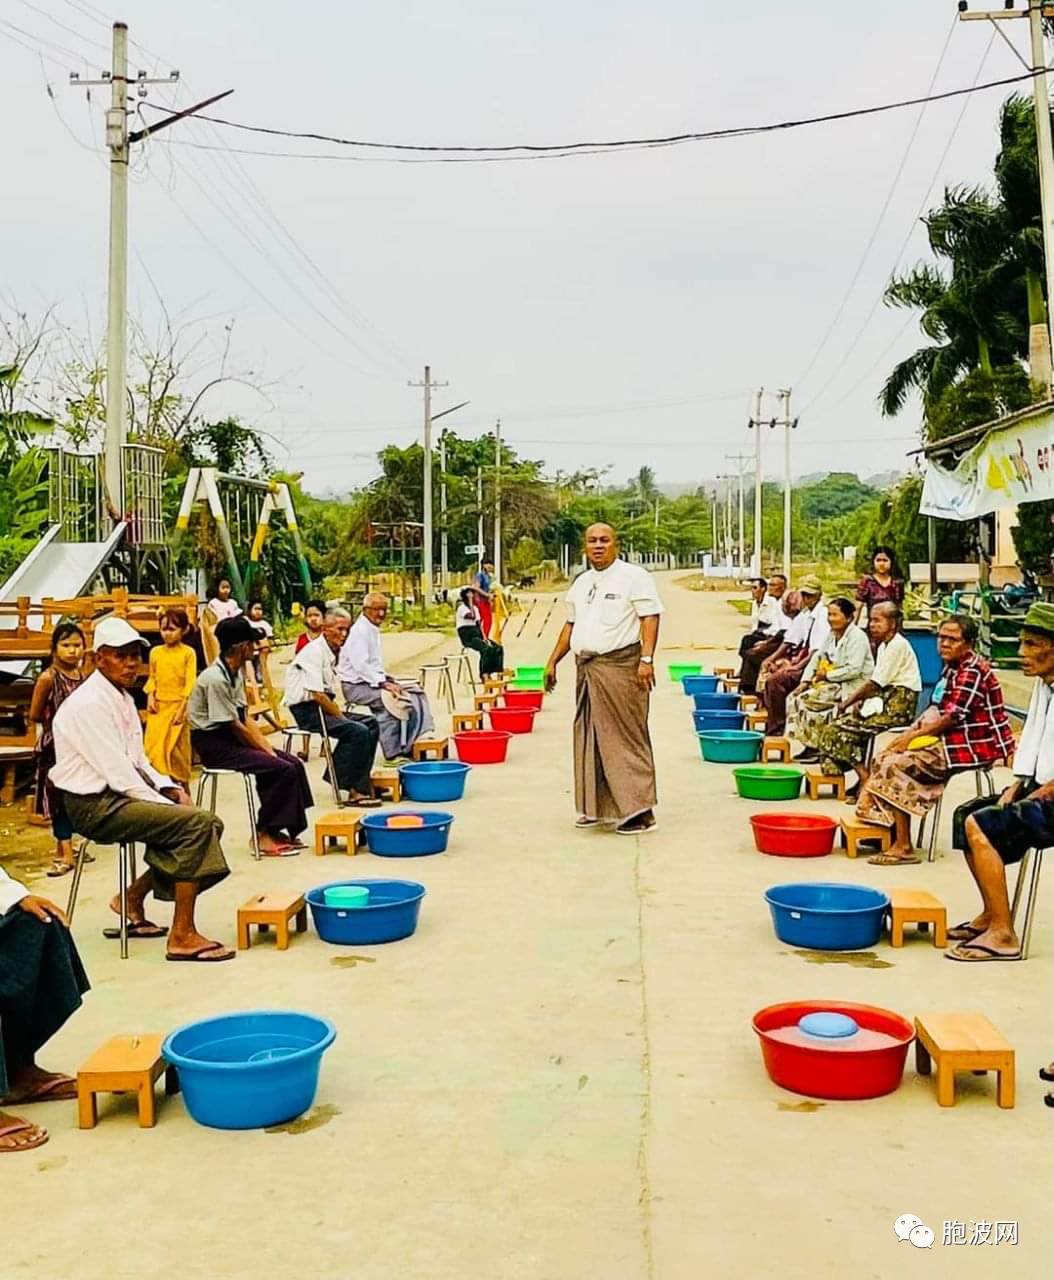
115 633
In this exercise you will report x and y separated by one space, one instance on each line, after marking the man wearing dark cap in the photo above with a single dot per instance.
995 835
225 738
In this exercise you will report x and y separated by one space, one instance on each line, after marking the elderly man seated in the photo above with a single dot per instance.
402 711
782 671
996 834
225 738
768 622
41 984
311 688
113 794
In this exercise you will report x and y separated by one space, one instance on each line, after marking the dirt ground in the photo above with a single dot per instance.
556 1077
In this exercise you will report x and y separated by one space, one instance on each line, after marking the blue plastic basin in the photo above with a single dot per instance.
434 780
707 720
407 842
716 701
827 917
731 746
699 684
248 1070
390 913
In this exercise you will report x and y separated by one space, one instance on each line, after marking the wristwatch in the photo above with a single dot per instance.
648 660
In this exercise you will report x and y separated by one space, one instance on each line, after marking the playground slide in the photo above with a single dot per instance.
57 569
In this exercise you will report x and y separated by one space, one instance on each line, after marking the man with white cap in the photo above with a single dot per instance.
113 794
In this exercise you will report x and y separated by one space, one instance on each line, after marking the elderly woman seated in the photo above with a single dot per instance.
838 669
887 700
966 727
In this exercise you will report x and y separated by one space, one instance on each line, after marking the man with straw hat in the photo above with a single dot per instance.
995 835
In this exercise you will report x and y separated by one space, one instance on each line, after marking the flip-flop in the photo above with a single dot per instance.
138 929
1044 1074
1048 1099
22 1126
884 860
203 956
587 822
283 851
59 1088
966 932
59 869
980 953
366 802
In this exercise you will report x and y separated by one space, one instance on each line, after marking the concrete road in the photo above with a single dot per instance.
556 1077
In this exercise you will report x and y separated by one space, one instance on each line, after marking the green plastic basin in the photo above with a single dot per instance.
678 670
536 685
769 782
530 673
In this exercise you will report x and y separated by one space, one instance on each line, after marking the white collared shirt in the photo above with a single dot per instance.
313 670
99 745
821 628
605 608
360 659
798 628
896 665
10 892
768 616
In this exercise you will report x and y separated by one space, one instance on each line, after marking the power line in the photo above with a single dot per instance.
64 27
668 140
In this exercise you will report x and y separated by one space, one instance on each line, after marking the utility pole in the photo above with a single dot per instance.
740 459
479 521
426 541
713 524
497 500
1036 11
755 424
444 560
789 424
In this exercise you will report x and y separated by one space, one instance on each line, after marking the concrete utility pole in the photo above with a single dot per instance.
497 500
426 541
740 459
1035 12
755 424
788 424
444 560
479 520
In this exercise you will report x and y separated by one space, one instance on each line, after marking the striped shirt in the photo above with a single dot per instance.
973 698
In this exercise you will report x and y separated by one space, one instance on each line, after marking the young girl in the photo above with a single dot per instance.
51 690
314 617
223 604
173 670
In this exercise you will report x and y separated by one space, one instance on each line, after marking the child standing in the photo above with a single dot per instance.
51 690
173 670
314 617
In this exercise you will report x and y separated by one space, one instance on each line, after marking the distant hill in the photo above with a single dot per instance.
884 479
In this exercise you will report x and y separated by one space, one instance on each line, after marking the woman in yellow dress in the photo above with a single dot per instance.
173 670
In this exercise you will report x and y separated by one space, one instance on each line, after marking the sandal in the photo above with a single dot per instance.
1044 1074
57 1088
886 860
282 851
138 929
59 868
583 821
211 953
13 1127
978 953
966 932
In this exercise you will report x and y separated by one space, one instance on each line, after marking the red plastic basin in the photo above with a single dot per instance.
827 1072
526 699
512 719
481 746
793 835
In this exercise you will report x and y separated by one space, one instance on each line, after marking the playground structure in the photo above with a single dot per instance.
241 510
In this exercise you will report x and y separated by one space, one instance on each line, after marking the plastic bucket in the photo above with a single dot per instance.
482 746
391 913
529 699
730 746
407 842
512 719
827 917
716 701
707 720
346 895
794 835
699 684
678 670
430 781
769 782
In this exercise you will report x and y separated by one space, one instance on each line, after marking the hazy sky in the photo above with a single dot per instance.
610 309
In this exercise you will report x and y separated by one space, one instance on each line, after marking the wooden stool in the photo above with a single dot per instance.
382 780
729 684
463 720
266 909
724 671
494 684
748 701
775 749
345 824
484 701
963 1042
856 832
916 906
425 748
125 1064
758 720
814 781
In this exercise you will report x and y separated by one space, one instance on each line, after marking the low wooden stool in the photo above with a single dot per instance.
757 720
963 1042
814 781
729 684
463 720
775 749
276 908
382 780
483 701
426 748
916 906
494 684
125 1064
855 832
341 824
724 671
748 701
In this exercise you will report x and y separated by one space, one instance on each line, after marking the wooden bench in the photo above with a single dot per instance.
856 832
426 748
916 906
125 1064
963 1042
382 780
266 909
340 825
462 721
816 781
484 701
775 749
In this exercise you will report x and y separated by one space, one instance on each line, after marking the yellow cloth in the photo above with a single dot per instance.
173 670
923 740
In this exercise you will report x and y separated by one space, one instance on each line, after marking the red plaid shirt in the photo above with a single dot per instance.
973 698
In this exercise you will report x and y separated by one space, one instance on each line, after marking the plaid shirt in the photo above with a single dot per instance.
980 731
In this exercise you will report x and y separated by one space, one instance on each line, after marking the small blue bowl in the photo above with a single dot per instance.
249 1070
699 684
716 701
390 913
434 780
707 720
407 842
827 917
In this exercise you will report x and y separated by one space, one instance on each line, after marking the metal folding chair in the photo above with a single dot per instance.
213 776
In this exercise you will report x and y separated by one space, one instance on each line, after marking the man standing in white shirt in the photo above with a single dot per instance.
402 713
612 629
113 794
41 984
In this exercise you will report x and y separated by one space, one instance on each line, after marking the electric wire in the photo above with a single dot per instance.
64 27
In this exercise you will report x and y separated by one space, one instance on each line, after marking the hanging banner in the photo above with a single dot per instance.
1010 466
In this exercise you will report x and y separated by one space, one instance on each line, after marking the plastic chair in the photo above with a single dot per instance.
306 735
126 873
1029 866
983 780
213 776
446 682
464 664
